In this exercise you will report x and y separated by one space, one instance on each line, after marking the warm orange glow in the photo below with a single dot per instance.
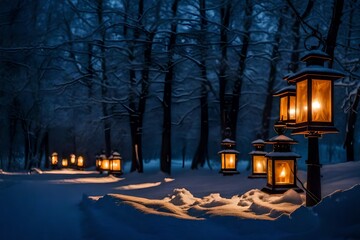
259 164
283 108
72 159
284 172
115 165
321 100
105 164
64 162
292 107
80 161
54 158
269 172
301 102
228 161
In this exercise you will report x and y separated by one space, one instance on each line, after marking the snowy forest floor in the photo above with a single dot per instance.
71 204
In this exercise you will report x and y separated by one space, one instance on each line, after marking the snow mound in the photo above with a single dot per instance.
290 196
181 197
139 186
168 179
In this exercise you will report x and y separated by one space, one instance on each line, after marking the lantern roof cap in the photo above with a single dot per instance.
257 153
54 153
283 154
281 139
290 88
228 141
228 151
315 54
258 141
317 71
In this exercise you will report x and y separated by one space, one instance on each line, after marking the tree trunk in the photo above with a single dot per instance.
241 68
334 29
202 150
275 56
165 159
225 21
350 128
104 81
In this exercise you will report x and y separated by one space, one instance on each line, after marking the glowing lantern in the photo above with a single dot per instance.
98 162
80 162
72 159
281 163
258 159
105 163
228 156
314 91
287 104
64 162
115 163
54 160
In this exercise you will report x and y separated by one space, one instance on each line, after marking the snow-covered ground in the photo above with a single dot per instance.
70 204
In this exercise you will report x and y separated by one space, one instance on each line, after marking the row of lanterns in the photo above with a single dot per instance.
111 165
306 107
74 162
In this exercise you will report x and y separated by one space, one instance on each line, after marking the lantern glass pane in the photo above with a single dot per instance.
230 161
115 165
283 108
292 108
80 162
72 158
259 164
284 172
269 172
301 102
64 162
321 101
105 165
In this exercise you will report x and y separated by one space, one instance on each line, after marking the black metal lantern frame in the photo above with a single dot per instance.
258 160
115 165
229 157
287 105
54 160
315 93
281 163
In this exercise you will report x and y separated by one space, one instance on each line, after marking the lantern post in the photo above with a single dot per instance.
314 111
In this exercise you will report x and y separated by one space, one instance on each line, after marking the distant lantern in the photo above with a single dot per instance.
72 159
287 102
105 163
281 163
64 162
54 160
80 162
258 159
115 163
315 95
98 159
228 156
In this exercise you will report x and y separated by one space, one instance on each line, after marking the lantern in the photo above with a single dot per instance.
54 160
258 159
72 159
315 92
281 164
287 104
80 162
228 157
105 163
98 162
115 163
64 162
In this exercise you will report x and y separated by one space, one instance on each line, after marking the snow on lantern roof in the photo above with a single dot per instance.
228 151
317 71
286 89
282 154
258 141
228 140
281 139
257 153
